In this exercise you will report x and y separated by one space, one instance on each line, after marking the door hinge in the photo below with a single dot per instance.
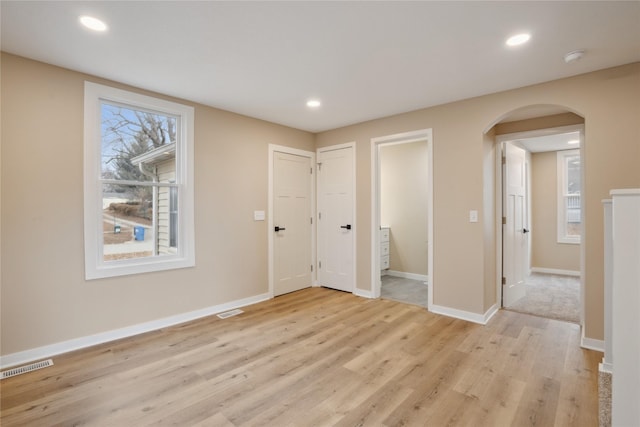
319 264
504 220
311 220
319 166
312 268
504 280
319 215
504 160
311 171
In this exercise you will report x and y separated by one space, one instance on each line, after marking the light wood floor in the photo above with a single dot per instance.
320 358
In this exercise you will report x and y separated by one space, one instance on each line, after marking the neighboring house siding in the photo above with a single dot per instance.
166 173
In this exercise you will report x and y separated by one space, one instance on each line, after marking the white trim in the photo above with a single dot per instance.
363 293
625 192
583 212
354 210
27 356
351 144
555 271
95 267
605 367
399 138
499 195
591 344
491 312
481 319
312 156
405 275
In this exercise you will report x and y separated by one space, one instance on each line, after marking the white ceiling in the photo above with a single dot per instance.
364 60
554 142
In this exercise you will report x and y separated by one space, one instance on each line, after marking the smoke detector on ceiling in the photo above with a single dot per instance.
573 56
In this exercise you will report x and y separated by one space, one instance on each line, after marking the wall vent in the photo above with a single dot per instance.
230 313
27 368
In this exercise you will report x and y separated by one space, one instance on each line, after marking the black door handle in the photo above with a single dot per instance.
348 226
525 231
279 228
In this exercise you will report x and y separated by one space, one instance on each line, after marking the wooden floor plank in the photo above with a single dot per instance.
320 357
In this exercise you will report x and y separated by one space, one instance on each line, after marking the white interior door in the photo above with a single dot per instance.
336 219
515 229
292 204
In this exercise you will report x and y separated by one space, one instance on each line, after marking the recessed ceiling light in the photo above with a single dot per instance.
93 23
518 39
313 103
573 142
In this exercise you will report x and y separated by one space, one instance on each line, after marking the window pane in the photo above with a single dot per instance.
572 207
573 175
139 221
167 220
127 222
134 142
173 217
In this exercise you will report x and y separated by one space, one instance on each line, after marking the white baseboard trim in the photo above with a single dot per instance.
605 367
362 293
591 344
555 271
406 275
48 351
482 319
490 313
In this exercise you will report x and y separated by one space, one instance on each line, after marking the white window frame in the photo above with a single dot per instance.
562 178
95 266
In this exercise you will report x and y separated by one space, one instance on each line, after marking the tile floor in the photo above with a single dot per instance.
404 290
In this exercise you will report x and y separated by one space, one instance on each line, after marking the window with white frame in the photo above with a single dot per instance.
138 183
569 189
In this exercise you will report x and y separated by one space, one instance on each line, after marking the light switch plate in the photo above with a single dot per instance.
473 216
258 215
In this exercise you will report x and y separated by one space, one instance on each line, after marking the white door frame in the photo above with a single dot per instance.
500 139
354 228
273 148
399 138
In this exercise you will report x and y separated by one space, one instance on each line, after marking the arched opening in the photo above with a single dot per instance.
539 210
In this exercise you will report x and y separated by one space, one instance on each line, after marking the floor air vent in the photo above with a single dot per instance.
230 313
27 368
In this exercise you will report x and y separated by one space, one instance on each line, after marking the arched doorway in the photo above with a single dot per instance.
540 269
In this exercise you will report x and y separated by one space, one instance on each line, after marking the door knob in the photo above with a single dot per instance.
279 228
525 231
348 226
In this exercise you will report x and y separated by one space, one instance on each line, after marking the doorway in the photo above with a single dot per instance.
402 217
547 233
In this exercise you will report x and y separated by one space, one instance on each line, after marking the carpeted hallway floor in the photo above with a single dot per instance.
547 295
552 296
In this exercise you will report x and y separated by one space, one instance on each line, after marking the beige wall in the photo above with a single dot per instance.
45 298
403 204
607 99
546 252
